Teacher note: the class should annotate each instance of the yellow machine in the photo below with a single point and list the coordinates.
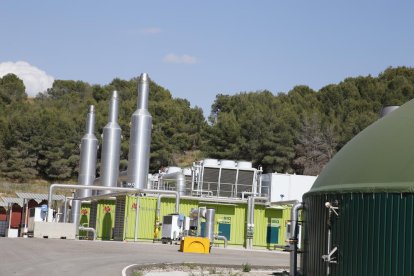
(191, 244)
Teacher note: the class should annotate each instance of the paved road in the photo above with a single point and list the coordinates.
(67, 257)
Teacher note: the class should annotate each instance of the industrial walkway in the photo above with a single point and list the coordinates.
(66, 257)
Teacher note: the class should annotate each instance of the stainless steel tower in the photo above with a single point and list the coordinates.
(87, 166)
(210, 220)
(140, 138)
(111, 147)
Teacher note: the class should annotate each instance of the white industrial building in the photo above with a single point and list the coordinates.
(286, 187)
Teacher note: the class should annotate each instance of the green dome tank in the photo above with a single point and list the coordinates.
(370, 185)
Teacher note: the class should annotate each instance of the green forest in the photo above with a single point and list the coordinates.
(296, 132)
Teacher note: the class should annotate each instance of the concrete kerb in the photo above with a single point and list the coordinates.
(129, 270)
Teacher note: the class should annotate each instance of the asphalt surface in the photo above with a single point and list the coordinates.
(33, 256)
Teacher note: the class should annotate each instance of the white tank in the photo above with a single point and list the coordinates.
(210, 162)
(228, 163)
(173, 170)
(244, 165)
(187, 171)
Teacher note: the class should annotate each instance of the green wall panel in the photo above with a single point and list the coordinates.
(231, 215)
(105, 219)
(84, 217)
(374, 234)
(84, 213)
(265, 217)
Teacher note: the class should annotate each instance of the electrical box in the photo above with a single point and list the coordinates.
(37, 214)
(173, 227)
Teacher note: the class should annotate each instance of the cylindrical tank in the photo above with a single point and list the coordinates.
(111, 147)
(228, 163)
(180, 184)
(87, 165)
(358, 216)
(75, 212)
(210, 162)
(209, 231)
(388, 109)
(140, 138)
(88, 151)
(244, 165)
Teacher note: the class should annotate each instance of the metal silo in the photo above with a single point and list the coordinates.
(358, 218)
(140, 138)
(111, 147)
(87, 165)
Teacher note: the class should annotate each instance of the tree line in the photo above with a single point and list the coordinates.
(296, 132)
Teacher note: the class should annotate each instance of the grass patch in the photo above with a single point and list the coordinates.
(246, 267)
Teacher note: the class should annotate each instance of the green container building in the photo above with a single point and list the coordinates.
(118, 219)
(361, 207)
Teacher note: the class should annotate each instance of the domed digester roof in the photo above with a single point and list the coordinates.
(378, 159)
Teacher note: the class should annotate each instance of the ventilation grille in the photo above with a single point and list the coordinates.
(210, 179)
(227, 182)
(119, 218)
(245, 182)
(92, 217)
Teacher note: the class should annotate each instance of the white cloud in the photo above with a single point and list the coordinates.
(33, 78)
(151, 30)
(173, 58)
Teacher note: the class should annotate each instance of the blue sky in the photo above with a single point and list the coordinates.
(198, 49)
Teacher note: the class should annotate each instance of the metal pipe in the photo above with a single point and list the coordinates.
(260, 174)
(65, 208)
(88, 229)
(157, 216)
(192, 178)
(115, 189)
(136, 219)
(250, 222)
(10, 209)
(209, 231)
(111, 147)
(250, 216)
(143, 91)
(293, 240)
(75, 215)
(140, 137)
(328, 267)
(200, 192)
(179, 179)
(223, 238)
(158, 205)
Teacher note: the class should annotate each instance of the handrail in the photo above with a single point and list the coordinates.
(114, 189)
(88, 229)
